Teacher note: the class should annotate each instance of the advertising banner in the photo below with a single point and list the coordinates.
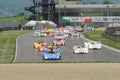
(92, 19)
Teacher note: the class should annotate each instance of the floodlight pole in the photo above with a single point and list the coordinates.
(107, 13)
(65, 12)
(37, 9)
(48, 11)
(59, 11)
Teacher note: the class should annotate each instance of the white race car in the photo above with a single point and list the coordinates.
(36, 32)
(93, 44)
(75, 34)
(80, 49)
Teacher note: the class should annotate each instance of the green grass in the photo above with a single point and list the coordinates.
(7, 44)
(93, 14)
(100, 36)
(20, 18)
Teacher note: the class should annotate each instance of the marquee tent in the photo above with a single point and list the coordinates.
(36, 23)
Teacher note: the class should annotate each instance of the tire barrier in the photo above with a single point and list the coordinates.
(113, 33)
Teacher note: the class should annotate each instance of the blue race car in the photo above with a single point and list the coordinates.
(52, 53)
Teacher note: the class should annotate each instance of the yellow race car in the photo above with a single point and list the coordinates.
(51, 30)
(36, 45)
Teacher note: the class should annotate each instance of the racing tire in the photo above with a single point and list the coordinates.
(60, 58)
(54, 44)
(34, 47)
(99, 48)
(74, 53)
(63, 44)
(44, 58)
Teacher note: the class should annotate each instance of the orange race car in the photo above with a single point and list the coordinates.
(40, 46)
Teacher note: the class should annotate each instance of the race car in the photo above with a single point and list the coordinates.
(36, 45)
(36, 32)
(79, 29)
(67, 31)
(93, 44)
(51, 30)
(80, 49)
(52, 53)
(62, 29)
(59, 42)
(43, 33)
(59, 36)
(52, 34)
(40, 45)
(88, 28)
(75, 34)
(67, 35)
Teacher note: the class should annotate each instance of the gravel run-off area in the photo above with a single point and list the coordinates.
(60, 71)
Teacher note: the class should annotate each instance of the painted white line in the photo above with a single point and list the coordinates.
(16, 52)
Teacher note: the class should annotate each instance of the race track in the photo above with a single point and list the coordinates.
(26, 53)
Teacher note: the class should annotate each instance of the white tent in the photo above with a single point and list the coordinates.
(48, 23)
(31, 23)
(43, 21)
(38, 24)
(52, 24)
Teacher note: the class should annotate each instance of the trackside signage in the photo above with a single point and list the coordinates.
(92, 19)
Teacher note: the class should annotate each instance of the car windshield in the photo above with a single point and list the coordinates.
(52, 47)
(58, 39)
(37, 31)
(43, 31)
(59, 34)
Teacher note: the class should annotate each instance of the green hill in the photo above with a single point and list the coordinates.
(13, 7)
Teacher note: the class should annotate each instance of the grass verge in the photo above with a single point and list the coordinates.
(18, 18)
(7, 44)
(100, 36)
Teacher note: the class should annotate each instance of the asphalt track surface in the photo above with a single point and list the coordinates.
(26, 53)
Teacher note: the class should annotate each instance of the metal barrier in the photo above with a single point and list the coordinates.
(10, 25)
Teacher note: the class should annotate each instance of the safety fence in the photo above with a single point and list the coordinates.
(113, 33)
(9, 25)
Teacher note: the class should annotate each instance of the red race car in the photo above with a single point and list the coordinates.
(79, 29)
(42, 47)
(59, 42)
(52, 34)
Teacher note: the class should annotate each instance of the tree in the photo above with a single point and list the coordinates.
(115, 14)
(93, 3)
(20, 14)
(106, 2)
